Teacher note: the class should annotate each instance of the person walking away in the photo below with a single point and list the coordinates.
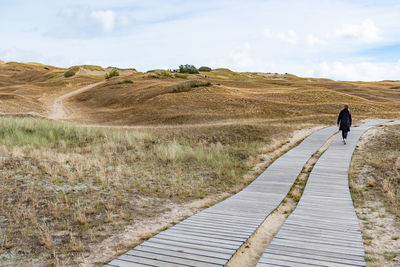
(344, 122)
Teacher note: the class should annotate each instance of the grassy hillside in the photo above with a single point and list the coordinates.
(231, 96)
(135, 98)
(175, 138)
(32, 87)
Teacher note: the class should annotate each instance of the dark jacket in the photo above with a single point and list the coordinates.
(344, 120)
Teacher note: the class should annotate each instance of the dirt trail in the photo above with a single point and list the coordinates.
(58, 110)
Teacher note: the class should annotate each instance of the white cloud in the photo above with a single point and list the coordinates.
(366, 31)
(241, 56)
(105, 18)
(68, 12)
(124, 21)
(314, 40)
(288, 37)
(358, 71)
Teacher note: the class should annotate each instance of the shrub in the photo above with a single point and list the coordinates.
(204, 68)
(165, 74)
(182, 76)
(112, 74)
(188, 69)
(187, 86)
(69, 73)
(125, 81)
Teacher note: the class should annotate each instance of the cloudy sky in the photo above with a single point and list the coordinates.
(338, 39)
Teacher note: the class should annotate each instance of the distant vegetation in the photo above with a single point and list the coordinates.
(69, 73)
(92, 67)
(204, 68)
(165, 74)
(187, 86)
(181, 76)
(125, 81)
(112, 74)
(188, 69)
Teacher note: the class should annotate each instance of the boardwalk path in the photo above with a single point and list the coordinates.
(212, 236)
(323, 230)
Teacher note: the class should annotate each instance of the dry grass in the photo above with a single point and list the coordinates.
(188, 85)
(66, 186)
(375, 186)
(380, 157)
(149, 101)
(32, 87)
(237, 96)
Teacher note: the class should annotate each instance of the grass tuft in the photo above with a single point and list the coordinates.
(111, 74)
(187, 86)
(125, 82)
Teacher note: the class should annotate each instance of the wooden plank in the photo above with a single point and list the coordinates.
(192, 241)
(274, 262)
(215, 230)
(323, 241)
(320, 247)
(172, 259)
(226, 222)
(123, 263)
(210, 239)
(310, 261)
(293, 249)
(214, 235)
(202, 247)
(185, 255)
(129, 260)
(194, 251)
(314, 256)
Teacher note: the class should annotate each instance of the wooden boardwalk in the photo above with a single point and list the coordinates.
(323, 230)
(212, 236)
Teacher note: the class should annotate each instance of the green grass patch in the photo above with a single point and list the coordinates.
(164, 74)
(187, 86)
(181, 76)
(125, 82)
(369, 259)
(112, 73)
(390, 255)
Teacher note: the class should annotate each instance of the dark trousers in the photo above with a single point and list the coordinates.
(344, 134)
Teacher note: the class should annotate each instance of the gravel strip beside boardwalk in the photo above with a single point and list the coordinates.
(212, 236)
(323, 230)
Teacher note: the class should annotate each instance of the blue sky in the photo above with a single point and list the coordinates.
(342, 40)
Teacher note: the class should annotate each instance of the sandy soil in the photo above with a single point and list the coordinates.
(380, 228)
(251, 251)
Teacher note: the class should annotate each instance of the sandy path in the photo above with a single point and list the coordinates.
(58, 110)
